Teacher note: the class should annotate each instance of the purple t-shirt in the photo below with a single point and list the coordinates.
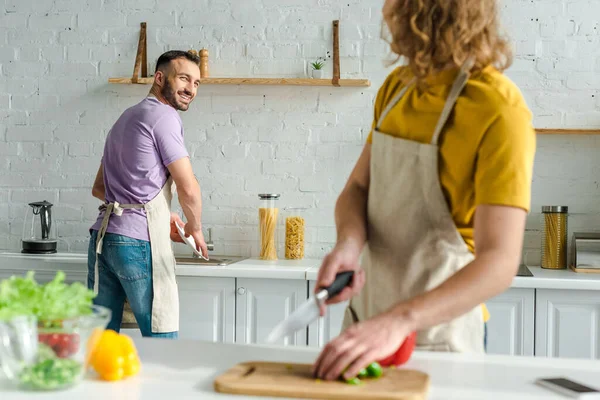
(145, 139)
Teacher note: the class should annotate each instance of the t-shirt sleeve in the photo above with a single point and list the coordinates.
(168, 135)
(505, 160)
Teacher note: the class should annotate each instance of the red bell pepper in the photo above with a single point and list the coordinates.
(403, 353)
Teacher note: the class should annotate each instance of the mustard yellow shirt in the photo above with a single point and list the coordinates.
(487, 147)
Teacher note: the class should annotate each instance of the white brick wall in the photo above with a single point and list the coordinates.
(56, 105)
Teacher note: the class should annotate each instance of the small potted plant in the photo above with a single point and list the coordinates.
(317, 68)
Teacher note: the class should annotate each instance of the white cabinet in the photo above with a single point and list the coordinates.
(328, 327)
(567, 323)
(131, 332)
(263, 303)
(207, 308)
(511, 325)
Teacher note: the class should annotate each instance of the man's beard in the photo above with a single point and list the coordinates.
(170, 95)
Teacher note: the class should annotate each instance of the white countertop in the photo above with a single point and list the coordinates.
(76, 263)
(183, 369)
(252, 268)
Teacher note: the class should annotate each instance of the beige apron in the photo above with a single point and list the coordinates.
(413, 244)
(165, 302)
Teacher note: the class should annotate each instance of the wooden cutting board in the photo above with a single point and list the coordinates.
(296, 381)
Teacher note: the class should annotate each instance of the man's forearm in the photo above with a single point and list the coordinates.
(190, 199)
(485, 277)
(98, 189)
(351, 216)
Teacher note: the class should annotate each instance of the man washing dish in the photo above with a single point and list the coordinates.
(145, 158)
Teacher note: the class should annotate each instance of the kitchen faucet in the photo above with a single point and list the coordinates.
(210, 246)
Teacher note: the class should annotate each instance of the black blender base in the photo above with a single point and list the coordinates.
(38, 251)
(41, 247)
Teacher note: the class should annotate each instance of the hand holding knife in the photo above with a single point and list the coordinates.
(310, 311)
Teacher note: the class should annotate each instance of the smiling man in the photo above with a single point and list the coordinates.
(130, 255)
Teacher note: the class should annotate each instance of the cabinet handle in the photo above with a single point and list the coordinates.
(241, 291)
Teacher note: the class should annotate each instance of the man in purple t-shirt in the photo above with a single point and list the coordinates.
(143, 149)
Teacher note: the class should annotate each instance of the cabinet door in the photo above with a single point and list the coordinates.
(263, 303)
(328, 327)
(134, 333)
(567, 323)
(511, 324)
(206, 308)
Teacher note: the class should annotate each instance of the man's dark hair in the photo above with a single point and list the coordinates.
(171, 55)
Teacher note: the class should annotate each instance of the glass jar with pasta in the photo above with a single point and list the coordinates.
(293, 226)
(268, 214)
(554, 237)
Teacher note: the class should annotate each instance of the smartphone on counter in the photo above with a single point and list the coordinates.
(569, 388)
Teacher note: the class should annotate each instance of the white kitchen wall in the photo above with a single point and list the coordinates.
(56, 105)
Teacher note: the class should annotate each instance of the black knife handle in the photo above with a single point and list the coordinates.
(342, 280)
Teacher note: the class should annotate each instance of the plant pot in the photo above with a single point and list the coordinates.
(317, 73)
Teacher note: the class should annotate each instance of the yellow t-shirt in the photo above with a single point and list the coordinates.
(487, 146)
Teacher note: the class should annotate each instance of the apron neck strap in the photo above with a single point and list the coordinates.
(457, 87)
(392, 103)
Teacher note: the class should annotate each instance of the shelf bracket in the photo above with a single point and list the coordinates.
(141, 58)
(336, 53)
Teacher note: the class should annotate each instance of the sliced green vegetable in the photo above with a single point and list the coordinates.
(50, 372)
(374, 370)
(353, 381)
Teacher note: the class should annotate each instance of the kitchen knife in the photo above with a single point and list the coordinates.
(309, 311)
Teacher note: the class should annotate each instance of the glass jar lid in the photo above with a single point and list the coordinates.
(268, 196)
(555, 209)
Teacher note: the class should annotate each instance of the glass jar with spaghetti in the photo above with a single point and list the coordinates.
(293, 226)
(554, 237)
(268, 214)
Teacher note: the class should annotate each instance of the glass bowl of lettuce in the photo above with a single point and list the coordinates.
(47, 331)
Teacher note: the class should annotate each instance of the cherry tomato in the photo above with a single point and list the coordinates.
(63, 344)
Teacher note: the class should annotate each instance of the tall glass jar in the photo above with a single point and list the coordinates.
(293, 229)
(554, 237)
(268, 213)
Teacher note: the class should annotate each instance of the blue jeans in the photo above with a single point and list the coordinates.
(125, 271)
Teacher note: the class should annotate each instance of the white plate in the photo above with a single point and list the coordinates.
(190, 241)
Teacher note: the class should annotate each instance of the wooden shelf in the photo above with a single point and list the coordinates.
(258, 81)
(141, 58)
(568, 131)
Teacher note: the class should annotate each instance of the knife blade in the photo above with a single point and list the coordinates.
(309, 311)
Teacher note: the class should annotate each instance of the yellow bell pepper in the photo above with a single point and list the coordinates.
(113, 356)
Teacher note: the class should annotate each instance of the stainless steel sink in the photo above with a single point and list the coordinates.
(216, 260)
(524, 271)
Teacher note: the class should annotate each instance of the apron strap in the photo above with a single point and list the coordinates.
(393, 103)
(109, 208)
(457, 87)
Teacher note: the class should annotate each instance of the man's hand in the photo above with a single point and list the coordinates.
(196, 233)
(175, 236)
(344, 257)
(363, 343)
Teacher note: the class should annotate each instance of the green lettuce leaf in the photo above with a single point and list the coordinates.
(54, 300)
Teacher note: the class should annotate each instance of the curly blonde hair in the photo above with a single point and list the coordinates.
(433, 34)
